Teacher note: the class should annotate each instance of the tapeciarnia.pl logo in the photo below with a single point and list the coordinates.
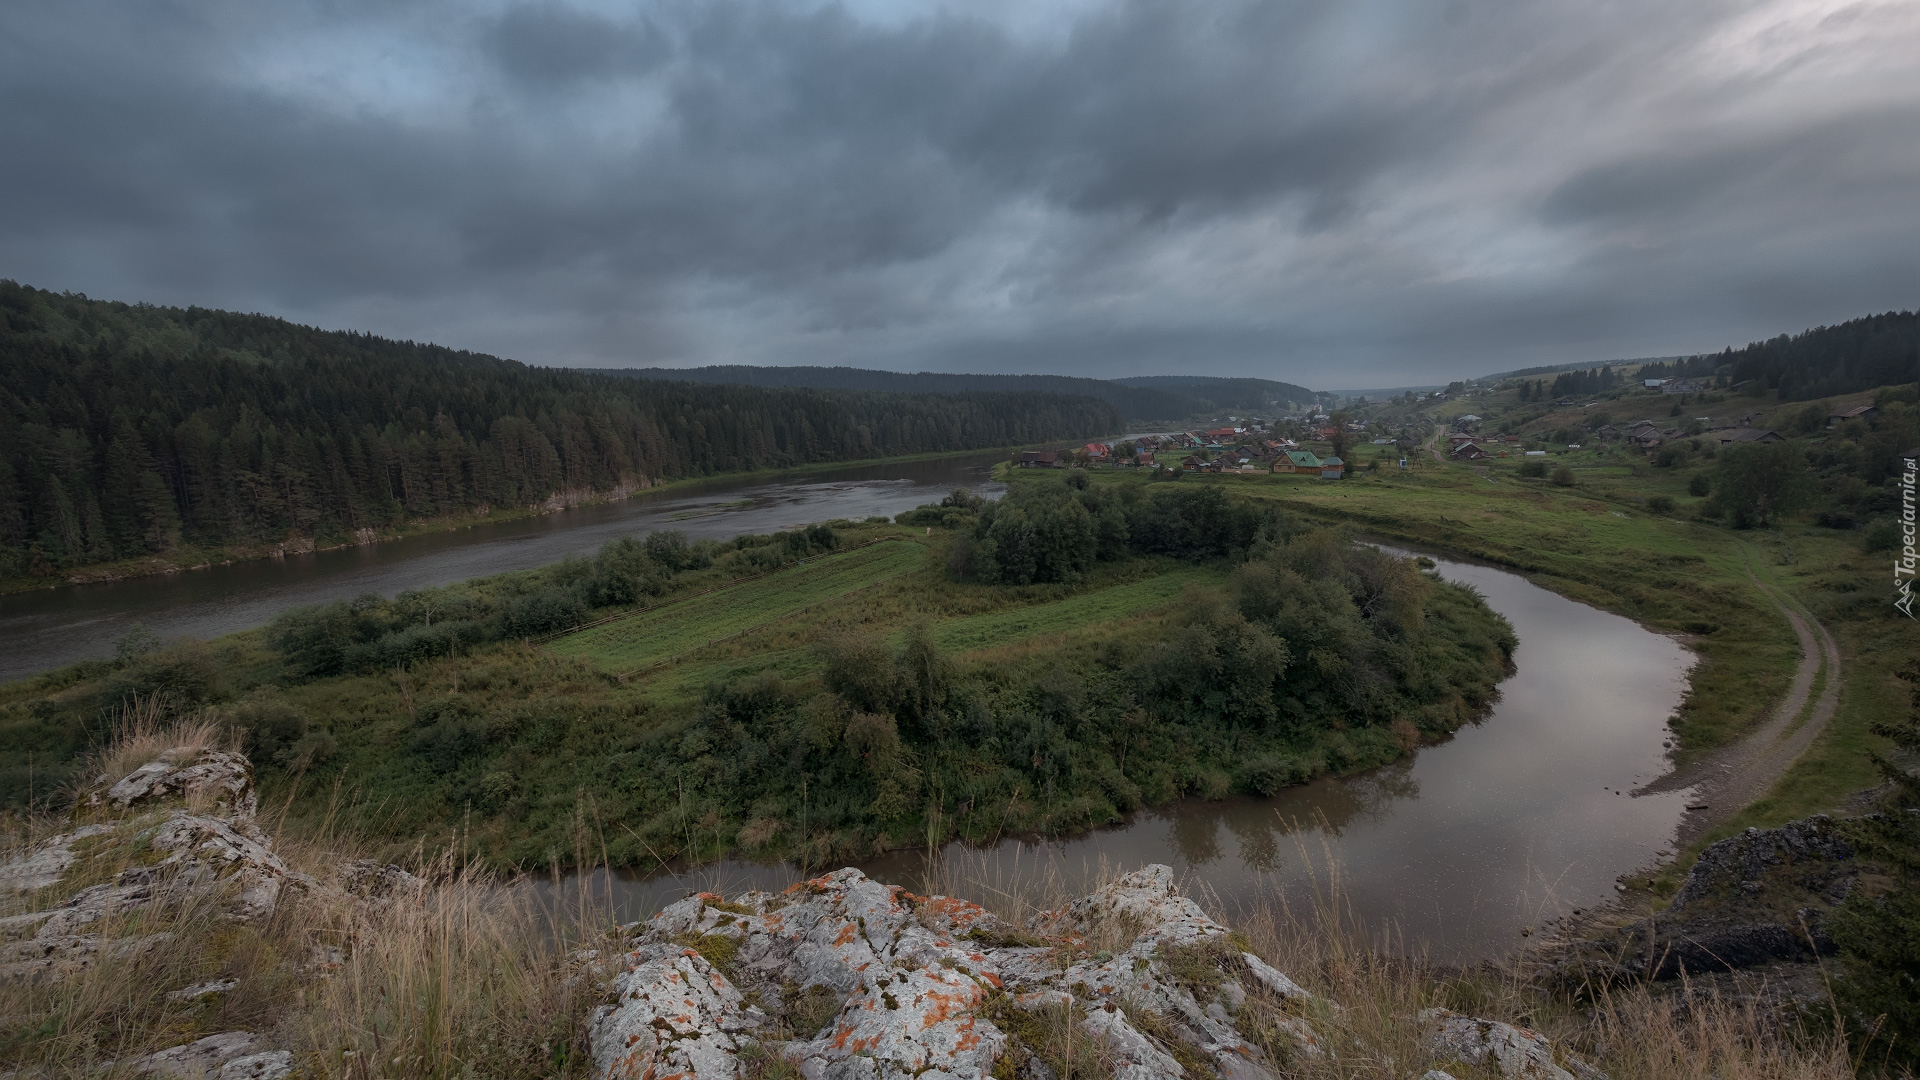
(1903, 563)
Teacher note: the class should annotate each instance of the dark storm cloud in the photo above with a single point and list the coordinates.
(1401, 189)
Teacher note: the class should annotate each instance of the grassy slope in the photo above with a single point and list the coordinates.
(1643, 565)
(507, 749)
(656, 636)
(1678, 577)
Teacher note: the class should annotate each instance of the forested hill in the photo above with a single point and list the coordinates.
(1145, 398)
(128, 430)
(1222, 392)
(1136, 403)
(1859, 354)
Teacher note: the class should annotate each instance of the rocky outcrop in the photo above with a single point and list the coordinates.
(1754, 899)
(230, 1055)
(1516, 1052)
(212, 781)
(848, 979)
(225, 859)
(178, 829)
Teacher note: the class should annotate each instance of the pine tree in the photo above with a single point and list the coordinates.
(1879, 937)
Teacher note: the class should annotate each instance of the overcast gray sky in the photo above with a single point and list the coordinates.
(1339, 193)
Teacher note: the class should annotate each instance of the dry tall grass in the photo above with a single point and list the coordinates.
(472, 975)
(467, 975)
(1381, 985)
(146, 728)
(1633, 1032)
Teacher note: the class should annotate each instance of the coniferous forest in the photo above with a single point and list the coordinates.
(1859, 354)
(129, 430)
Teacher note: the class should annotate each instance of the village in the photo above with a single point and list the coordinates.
(1365, 434)
(1246, 446)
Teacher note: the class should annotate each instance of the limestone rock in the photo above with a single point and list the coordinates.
(916, 982)
(200, 990)
(241, 856)
(218, 853)
(199, 1059)
(206, 779)
(1146, 897)
(42, 867)
(270, 1065)
(370, 880)
(674, 1015)
(1135, 1057)
(1517, 1052)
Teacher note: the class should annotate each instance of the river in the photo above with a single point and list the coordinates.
(1455, 849)
(1451, 852)
(48, 628)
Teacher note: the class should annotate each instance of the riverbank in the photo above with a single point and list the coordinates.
(855, 702)
(190, 557)
(1697, 581)
(454, 972)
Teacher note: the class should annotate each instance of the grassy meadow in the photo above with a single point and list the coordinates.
(821, 695)
(1633, 534)
(662, 633)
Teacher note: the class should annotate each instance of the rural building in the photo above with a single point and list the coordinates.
(1762, 435)
(1863, 412)
(1297, 461)
(1468, 452)
(1040, 459)
(1332, 468)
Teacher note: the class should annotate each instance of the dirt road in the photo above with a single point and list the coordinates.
(1728, 779)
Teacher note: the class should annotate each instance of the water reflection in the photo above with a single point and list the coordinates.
(52, 627)
(1514, 818)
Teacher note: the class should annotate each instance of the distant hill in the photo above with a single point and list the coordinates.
(1136, 402)
(1578, 365)
(1859, 354)
(128, 430)
(1220, 393)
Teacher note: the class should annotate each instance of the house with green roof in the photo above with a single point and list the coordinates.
(1296, 461)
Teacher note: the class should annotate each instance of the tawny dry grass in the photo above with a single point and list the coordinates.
(470, 975)
(1381, 985)
(146, 728)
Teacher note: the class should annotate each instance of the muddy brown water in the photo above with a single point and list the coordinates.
(49, 628)
(1451, 852)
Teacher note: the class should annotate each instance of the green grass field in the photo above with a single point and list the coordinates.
(677, 628)
(1099, 608)
(1590, 542)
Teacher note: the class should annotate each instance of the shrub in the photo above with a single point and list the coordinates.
(1699, 485)
(1882, 535)
(541, 613)
(1660, 504)
(1756, 483)
(1535, 469)
(1563, 477)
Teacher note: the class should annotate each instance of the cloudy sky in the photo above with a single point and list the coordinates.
(1341, 193)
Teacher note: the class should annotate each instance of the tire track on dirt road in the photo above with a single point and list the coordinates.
(1731, 778)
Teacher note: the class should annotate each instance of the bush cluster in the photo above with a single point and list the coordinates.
(371, 633)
